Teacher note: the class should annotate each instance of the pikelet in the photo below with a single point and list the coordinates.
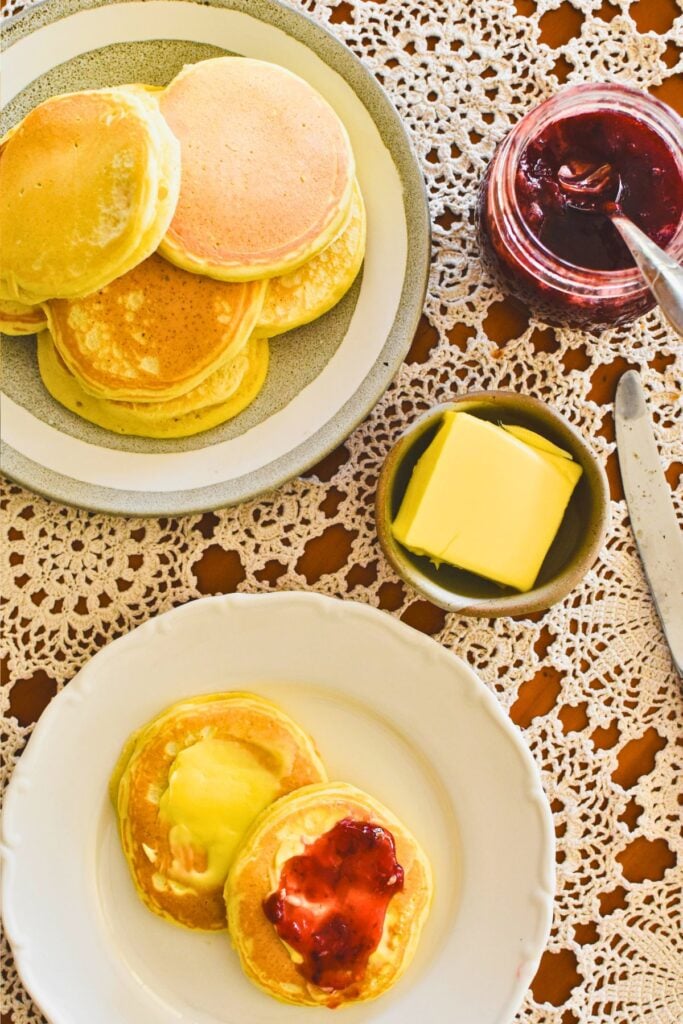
(189, 784)
(16, 318)
(88, 185)
(273, 852)
(223, 395)
(305, 294)
(155, 333)
(267, 170)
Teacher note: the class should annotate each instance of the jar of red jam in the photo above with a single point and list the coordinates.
(570, 264)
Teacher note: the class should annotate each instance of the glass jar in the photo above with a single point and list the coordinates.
(561, 292)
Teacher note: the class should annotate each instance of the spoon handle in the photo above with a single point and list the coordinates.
(664, 275)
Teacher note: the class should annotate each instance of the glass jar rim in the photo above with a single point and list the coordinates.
(579, 99)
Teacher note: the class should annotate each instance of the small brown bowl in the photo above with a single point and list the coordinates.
(571, 554)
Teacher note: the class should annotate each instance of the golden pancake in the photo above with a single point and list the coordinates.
(288, 830)
(221, 397)
(88, 185)
(267, 169)
(317, 286)
(16, 318)
(189, 784)
(143, 87)
(155, 333)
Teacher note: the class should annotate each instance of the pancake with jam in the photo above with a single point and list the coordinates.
(88, 185)
(305, 294)
(222, 396)
(18, 319)
(327, 897)
(187, 787)
(155, 333)
(267, 169)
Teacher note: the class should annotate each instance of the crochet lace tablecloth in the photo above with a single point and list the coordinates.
(590, 682)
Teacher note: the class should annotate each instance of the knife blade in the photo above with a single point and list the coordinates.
(657, 533)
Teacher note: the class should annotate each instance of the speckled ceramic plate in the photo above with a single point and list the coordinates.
(325, 377)
(441, 754)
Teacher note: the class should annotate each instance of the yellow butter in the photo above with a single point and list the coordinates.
(487, 499)
(535, 440)
(215, 790)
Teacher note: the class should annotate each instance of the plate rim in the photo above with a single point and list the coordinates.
(320, 40)
(77, 690)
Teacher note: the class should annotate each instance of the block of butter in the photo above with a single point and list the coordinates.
(487, 498)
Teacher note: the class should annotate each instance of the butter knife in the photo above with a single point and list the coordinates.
(658, 536)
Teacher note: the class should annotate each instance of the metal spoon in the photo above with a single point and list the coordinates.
(592, 189)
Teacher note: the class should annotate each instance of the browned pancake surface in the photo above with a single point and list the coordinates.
(154, 333)
(265, 163)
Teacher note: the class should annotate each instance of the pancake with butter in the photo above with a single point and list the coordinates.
(267, 169)
(88, 186)
(305, 294)
(221, 397)
(187, 787)
(155, 333)
(18, 319)
(327, 897)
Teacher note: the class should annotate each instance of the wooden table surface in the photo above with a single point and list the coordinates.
(556, 975)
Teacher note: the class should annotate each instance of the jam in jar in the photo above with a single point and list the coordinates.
(548, 237)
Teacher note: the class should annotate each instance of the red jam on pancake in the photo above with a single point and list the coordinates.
(331, 900)
(327, 897)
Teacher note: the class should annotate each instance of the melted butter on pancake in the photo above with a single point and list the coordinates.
(188, 785)
(215, 787)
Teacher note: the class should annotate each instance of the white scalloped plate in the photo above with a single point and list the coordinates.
(392, 712)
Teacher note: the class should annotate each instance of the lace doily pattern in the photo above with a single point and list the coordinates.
(590, 682)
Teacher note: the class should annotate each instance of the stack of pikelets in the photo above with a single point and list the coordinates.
(163, 235)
